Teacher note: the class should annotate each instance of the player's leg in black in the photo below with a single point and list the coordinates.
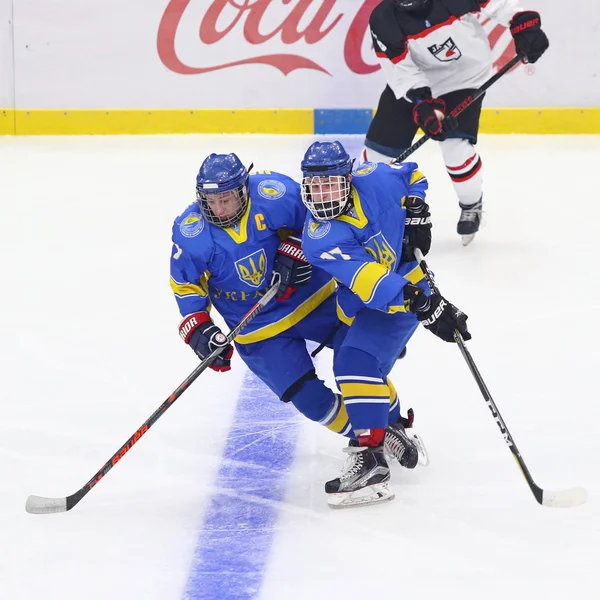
(392, 129)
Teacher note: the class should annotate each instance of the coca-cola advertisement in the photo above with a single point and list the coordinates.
(233, 33)
(325, 44)
(236, 54)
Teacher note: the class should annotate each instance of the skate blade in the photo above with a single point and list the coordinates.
(467, 239)
(423, 454)
(367, 496)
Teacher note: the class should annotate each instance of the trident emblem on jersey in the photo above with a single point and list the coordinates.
(446, 52)
(252, 268)
(379, 248)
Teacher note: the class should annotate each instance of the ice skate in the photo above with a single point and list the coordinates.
(469, 221)
(404, 444)
(364, 479)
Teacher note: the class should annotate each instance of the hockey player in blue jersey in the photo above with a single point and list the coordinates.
(226, 246)
(362, 230)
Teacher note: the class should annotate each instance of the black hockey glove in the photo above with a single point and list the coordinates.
(436, 313)
(417, 228)
(530, 40)
(430, 114)
(292, 266)
(204, 337)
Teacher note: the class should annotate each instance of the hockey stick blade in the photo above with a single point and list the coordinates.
(556, 499)
(564, 498)
(38, 505)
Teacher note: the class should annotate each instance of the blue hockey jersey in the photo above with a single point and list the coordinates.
(363, 248)
(231, 268)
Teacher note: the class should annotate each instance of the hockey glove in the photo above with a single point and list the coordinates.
(436, 313)
(417, 228)
(430, 114)
(292, 266)
(530, 40)
(204, 337)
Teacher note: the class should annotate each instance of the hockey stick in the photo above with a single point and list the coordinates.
(464, 105)
(326, 341)
(559, 498)
(41, 505)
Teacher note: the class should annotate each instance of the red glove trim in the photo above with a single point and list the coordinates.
(437, 104)
(290, 290)
(226, 356)
(190, 323)
(532, 23)
(292, 250)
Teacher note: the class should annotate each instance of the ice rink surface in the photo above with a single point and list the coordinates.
(89, 349)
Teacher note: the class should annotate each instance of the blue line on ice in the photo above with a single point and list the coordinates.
(241, 519)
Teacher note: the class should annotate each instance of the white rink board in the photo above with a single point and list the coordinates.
(148, 53)
(6, 55)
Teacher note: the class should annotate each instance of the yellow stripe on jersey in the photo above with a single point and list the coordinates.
(341, 421)
(396, 308)
(366, 279)
(341, 315)
(392, 390)
(414, 277)
(191, 289)
(362, 220)
(242, 236)
(362, 390)
(416, 176)
(290, 320)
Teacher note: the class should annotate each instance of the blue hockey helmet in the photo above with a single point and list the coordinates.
(412, 4)
(325, 159)
(222, 189)
(326, 189)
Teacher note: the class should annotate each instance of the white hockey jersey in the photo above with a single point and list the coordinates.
(445, 49)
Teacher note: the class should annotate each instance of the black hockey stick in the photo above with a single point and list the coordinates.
(42, 505)
(559, 498)
(326, 341)
(464, 104)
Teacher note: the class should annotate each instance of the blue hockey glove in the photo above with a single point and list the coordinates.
(204, 337)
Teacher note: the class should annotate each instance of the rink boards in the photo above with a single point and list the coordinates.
(266, 66)
(278, 121)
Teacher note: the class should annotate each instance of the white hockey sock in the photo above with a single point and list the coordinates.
(464, 168)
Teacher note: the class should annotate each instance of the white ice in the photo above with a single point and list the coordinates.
(89, 349)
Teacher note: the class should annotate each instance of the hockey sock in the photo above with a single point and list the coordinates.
(365, 393)
(464, 168)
